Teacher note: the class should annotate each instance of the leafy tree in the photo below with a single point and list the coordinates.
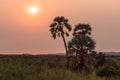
(82, 42)
(60, 27)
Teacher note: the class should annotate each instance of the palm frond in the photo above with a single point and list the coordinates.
(67, 34)
(68, 26)
(54, 35)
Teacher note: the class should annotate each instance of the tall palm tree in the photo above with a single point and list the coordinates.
(81, 42)
(60, 27)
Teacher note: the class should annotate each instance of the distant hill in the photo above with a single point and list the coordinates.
(112, 53)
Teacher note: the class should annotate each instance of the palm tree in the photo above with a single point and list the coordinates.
(60, 27)
(81, 42)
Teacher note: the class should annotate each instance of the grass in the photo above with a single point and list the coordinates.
(32, 68)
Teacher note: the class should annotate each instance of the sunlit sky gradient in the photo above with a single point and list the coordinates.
(21, 32)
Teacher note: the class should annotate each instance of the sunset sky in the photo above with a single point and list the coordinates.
(24, 32)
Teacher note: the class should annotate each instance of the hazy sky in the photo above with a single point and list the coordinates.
(21, 32)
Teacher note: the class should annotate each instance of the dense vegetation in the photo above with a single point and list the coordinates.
(41, 67)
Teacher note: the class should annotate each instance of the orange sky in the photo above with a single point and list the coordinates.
(21, 32)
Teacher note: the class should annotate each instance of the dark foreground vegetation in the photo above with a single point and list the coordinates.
(51, 67)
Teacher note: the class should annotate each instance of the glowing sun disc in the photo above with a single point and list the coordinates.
(33, 10)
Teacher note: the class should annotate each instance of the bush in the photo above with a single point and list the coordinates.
(73, 62)
(113, 63)
(107, 71)
(99, 60)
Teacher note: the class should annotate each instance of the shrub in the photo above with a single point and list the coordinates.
(99, 60)
(73, 62)
(113, 63)
(107, 71)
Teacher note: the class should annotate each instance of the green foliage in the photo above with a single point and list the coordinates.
(39, 68)
(108, 71)
(113, 63)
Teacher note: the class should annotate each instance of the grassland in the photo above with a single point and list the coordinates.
(39, 67)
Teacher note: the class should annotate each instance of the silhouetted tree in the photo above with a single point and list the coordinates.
(60, 27)
(81, 42)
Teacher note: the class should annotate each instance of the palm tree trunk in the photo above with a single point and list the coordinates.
(67, 63)
(65, 44)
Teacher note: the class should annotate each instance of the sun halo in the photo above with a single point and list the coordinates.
(33, 10)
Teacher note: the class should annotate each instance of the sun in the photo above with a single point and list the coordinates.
(33, 10)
